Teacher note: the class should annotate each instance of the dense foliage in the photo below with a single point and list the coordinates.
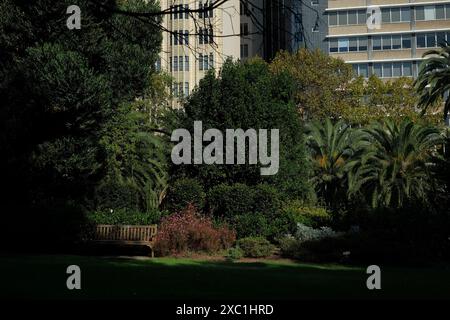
(188, 231)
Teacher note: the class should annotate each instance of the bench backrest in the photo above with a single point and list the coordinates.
(125, 232)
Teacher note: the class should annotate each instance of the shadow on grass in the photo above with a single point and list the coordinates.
(41, 277)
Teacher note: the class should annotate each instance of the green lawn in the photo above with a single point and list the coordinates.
(45, 277)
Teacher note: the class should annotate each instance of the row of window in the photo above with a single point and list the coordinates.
(205, 62)
(384, 70)
(182, 11)
(390, 15)
(432, 40)
(388, 42)
(180, 37)
(180, 90)
(181, 63)
(204, 6)
(437, 12)
(205, 35)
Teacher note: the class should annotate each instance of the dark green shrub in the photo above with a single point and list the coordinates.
(185, 191)
(256, 247)
(251, 225)
(227, 201)
(235, 253)
(114, 194)
(126, 217)
(259, 224)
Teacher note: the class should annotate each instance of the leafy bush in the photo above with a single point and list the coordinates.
(305, 233)
(183, 192)
(126, 217)
(188, 231)
(235, 253)
(250, 225)
(311, 216)
(251, 210)
(227, 201)
(305, 240)
(115, 194)
(256, 247)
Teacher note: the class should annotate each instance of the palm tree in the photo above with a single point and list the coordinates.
(397, 163)
(433, 82)
(332, 148)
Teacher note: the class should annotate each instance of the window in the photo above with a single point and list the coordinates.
(353, 44)
(334, 45)
(186, 89)
(406, 42)
(343, 44)
(387, 44)
(377, 70)
(362, 44)
(186, 63)
(376, 43)
(364, 70)
(396, 42)
(447, 11)
(386, 15)
(420, 13)
(405, 14)
(342, 17)
(431, 40)
(421, 41)
(205, 62)
(440, 38)
(361, 69)
(430, 13)
(352, 17)
(395, 15)
(211, 60)
(175, 63)
(186, 37)
(397, 69)
(158, 64)
(362, 17)
(180, 63)
(170, 64)
(440, 12)
(200, 61)
(332, 18)
(407, 69)
(244, 51)
(387, 70)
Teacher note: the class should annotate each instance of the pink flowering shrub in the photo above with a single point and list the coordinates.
(189, 231)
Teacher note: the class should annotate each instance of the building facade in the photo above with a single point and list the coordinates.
(195, 42)
(309, 25)
(407, 29)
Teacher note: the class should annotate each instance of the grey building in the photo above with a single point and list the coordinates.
(309, 25)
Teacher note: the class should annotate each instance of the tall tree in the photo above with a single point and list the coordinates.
(249, 96)
(396, 165)
(433, 82)
(61, 92)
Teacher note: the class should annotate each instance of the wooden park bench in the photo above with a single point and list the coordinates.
(124, 234)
